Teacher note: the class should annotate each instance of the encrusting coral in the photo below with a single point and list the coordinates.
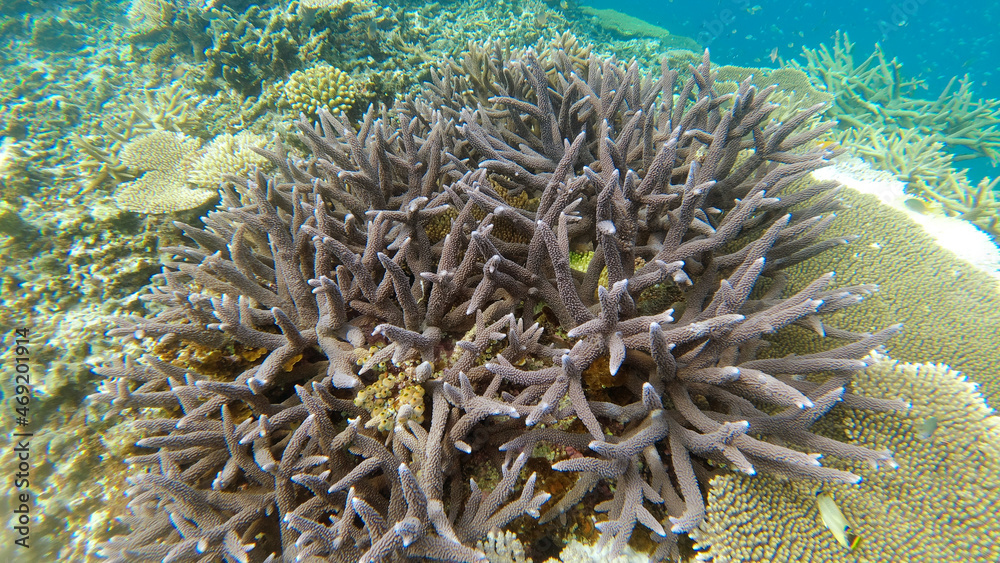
(331, 258)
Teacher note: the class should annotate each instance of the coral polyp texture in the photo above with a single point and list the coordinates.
(899, 515)
(321, 87)
(422, 259)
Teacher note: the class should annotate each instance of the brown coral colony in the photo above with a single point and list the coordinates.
(402, 254)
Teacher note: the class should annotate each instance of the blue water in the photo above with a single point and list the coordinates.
(935, 40)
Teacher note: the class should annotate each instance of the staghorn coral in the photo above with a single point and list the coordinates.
(319, 87)
(977, 204)
(875, 92)
(911, 156)
(928, 510)
(333, 254)
(929, 173)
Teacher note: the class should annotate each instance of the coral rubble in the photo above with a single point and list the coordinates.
(680, 195)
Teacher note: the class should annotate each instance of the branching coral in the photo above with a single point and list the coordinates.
(333, 255)
(875, 92)
(319, 87)
(928, 172)
(912, 157)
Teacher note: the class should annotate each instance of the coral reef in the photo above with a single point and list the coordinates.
(875, 92)
(332, 257)
(241, 59)
(245, 50)
(213, 69)
(319, 87)
(72, 255)
(956, 302)
(928, 172)
(937, 507)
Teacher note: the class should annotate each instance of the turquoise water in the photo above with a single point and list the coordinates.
(351, 280)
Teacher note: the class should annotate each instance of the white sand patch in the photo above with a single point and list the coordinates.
(962, 238)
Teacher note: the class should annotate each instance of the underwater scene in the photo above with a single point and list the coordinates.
(499, 281)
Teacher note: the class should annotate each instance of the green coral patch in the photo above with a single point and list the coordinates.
(628, 26)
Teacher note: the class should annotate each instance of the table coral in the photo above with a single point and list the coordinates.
(161, 159)
(937, 506)
(943, 303)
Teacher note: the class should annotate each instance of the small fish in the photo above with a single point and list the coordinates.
(927, 428)
(774, 54)
(835, 521)
(827, 145)
(917, 205)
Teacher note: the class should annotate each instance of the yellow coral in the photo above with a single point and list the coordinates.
(228, 154)
(321, 86)
(165, 157)
(160, 192)
(390, 393)
(158, 150)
